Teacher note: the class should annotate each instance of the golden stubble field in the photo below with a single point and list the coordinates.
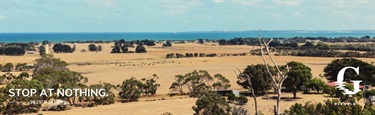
(115, 68)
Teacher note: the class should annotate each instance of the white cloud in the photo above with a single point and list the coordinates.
(287, 2)
(179, 6)
(2, 17)
(249, 2)
(346, 8)
(102, 3)
(218, 1)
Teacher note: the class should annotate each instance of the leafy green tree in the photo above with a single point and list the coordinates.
(366, 70)
(15, 104)
(322, 46)
(100, 47)
(130, 90)
(220, 82)
(150, 86)
(297, 109)
(23, 76)
(242, 100)
(329, 107)
(179, 83)
(211, 104)
(167, 44)
(232, 97)
(42, 50)
(7, 67)
(316, 84)
(53, 73)
(21, 67)
(92, 47)
(140, 49)
(260, 79)
(201, 41)
(110, 99)
(116, 48)
(308, 45)
(14, 50)
(6, 78)
(197, 82)
(47, 61)
(62, 48)
(298, 76)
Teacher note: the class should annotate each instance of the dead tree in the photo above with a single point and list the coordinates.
(243, 78)
(279, 77)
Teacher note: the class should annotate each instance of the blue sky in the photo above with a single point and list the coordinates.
(184, 15)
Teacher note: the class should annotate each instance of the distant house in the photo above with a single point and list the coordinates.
(30, 52)
(226, 92)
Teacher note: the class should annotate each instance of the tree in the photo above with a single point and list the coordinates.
(100, 48)
(329, 107)
(201, 41)
(140, 49)
(110, 99)
(198, 82)
(211, 104)
(23, 76)
(222, 42)
(130, 90)
(179, 83)
(21, 67)
(7, 67)
(16, 104)
(232, 97)
(322, 46)
(260, 79)
(62, 48)
(316, 84)
(42, 50)
(48, 61)
(15, 50)
(150, 86)
(116, 48)
(278, 78)
(124, 49)
(92, 47)
(221, 82)
(308, 45)
(366, 70)
(167, 44)
(53, 74)
(242, 100)
(298, 76)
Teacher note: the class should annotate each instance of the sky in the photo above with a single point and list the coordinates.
(184, 15)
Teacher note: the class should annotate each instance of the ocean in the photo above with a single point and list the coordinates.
(212, 35)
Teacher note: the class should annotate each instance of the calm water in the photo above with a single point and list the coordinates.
(58, 37)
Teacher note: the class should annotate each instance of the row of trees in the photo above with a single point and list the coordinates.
(330, 107)
(52, 73)
(198, 82)
(254, 41)
(178, 55)
(131, 89)
(93, 47)
(12, 50)
(122, 47)
(10, 67)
